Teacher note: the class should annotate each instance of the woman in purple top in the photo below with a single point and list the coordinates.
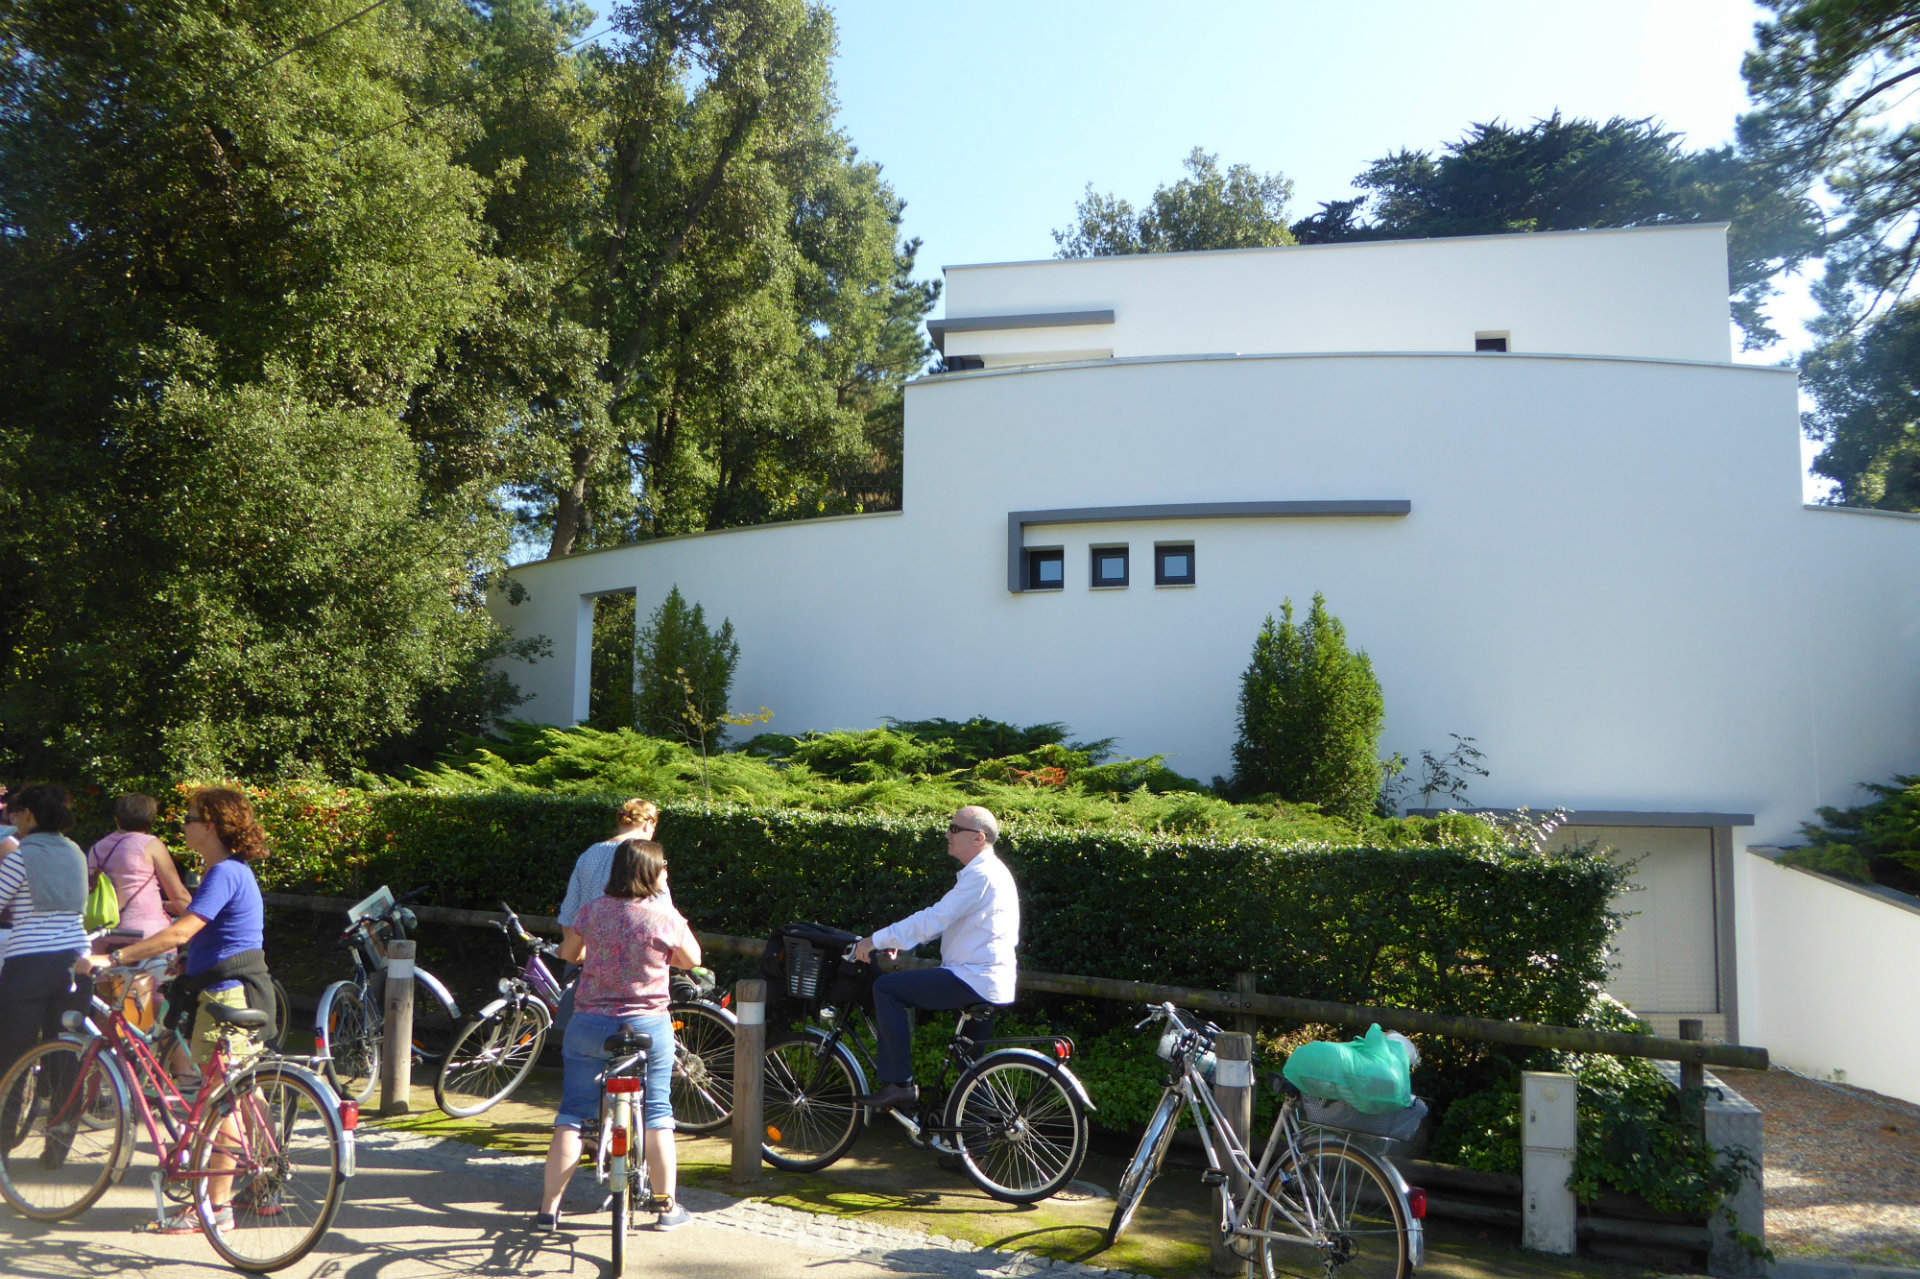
(224, 931)
(626, 941)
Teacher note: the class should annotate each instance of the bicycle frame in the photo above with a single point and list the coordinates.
(1217, 1138)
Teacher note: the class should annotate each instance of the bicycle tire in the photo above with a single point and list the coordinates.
(289, 1166)
(623, 1192)
(491, 1057)
(282, 1015)
(811, 1115)
(434, 1018)
(53, 1163)
(1145, 1164)
(703, 1035)
(346, 1024)
(1023, 1133)
(1361, 1219)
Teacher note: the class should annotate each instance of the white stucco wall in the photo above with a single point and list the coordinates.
(1603, 578)
(1651, 292)
(1835, 977)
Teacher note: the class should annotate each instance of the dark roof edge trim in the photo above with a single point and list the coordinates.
(938, 329)
(1607, 816)
(1017, 521)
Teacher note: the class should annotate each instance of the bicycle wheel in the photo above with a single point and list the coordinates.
(622, 1187)
(1145, 1164)
(811, 1115)
(282, 1015)
(277, 1129)
(702, 1067)
(352, 1033)
(57, 1149)
(1347, 1210)
(1022, 1130)
(491, 1057)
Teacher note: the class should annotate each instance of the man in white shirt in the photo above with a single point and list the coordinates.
(978, 924)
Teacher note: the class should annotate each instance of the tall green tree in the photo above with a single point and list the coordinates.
(1208, 209)
(1310, 716)
(1831, 82)
(744, 269)
(235, 247)
(683, 674)
(1559, 174)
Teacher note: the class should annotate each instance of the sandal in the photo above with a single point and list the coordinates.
(187, 1222)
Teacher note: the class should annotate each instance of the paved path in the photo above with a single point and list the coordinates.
(422, 1207)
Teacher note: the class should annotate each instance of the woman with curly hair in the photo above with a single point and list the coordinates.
(224, 932)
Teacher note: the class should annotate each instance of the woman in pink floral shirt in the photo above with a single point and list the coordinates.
(627, 941)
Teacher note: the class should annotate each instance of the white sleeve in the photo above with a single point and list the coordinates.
(961, 900)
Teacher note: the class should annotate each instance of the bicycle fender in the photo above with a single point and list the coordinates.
(491, 1008)
(440, 992)
(1053, 1065)
(852, 1058)
(320, 1014)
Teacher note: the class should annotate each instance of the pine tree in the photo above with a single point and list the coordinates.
(683, 674)
(1310, 716)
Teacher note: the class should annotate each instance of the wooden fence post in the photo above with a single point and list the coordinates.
(749, 1078)
(1233, 1091)
(1692, 1074)
(396, 1043)
(1246, 984)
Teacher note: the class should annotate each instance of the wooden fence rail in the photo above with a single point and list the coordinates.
(1237, 1003)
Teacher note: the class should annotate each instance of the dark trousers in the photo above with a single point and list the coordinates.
(935, 989)
(34, 991)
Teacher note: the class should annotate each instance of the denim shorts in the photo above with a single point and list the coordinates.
(583, 1053)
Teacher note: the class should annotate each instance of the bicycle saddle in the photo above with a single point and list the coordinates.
(625, 1043)
(244, 1018)
(984, 1010)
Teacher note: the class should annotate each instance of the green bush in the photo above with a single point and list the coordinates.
(1310, 716)
(1874, 843)
(683, 673)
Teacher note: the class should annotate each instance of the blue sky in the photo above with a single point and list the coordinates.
(991, 117)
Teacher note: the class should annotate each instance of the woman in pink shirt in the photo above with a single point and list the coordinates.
(625, 941)
(141, 869)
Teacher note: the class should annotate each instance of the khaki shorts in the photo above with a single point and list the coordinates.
(242, 1045)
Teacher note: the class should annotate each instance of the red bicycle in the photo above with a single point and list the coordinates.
(262, 1151)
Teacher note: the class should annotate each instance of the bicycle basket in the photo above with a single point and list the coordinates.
(802, 963)
(1395, 1125)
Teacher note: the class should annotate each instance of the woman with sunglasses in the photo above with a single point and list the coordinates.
(224, 932)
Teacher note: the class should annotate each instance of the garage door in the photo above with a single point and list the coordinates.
(1666, 955)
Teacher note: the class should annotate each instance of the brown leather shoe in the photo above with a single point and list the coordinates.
(890, 1096)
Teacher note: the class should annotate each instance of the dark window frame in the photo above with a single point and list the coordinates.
(1160, 552)
(1036, 555)
(1484, 342)
(1095, 581)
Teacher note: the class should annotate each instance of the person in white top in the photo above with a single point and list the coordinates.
(638, 819)
(978, 924)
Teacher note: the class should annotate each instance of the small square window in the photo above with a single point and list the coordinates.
(1490, 341)
(1173, 565)
(1046, 570)
(1109, 566)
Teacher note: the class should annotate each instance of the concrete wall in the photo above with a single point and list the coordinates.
(1647, 292)
(1835, 978)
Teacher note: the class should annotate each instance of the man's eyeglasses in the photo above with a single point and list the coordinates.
(963, 830)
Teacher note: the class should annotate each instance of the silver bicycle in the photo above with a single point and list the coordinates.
(1319, 1202)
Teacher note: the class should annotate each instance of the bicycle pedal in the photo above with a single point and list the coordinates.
(1213, 1177)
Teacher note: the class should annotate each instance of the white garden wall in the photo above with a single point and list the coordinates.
(1836, 978)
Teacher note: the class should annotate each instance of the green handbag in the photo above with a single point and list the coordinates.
(103, 903)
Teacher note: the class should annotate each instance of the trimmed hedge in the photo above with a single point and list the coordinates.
(1446, 930)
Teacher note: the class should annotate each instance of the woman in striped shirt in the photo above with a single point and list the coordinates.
(43, 883)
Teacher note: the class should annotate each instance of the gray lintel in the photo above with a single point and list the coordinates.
(1607, 816)
(1017, 521)
(938, 329)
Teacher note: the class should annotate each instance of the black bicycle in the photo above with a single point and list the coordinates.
(1015, 1116)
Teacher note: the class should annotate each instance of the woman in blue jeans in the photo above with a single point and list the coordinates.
(625, 941)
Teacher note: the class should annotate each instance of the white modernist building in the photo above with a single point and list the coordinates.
(1524, 470)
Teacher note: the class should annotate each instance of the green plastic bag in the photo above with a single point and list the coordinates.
(103, 904)
(1372, 1074)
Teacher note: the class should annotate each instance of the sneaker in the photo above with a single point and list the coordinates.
(546, 1222)
(261, 1197)
(672, 1217)
(59, 1141)
(187, 1222)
